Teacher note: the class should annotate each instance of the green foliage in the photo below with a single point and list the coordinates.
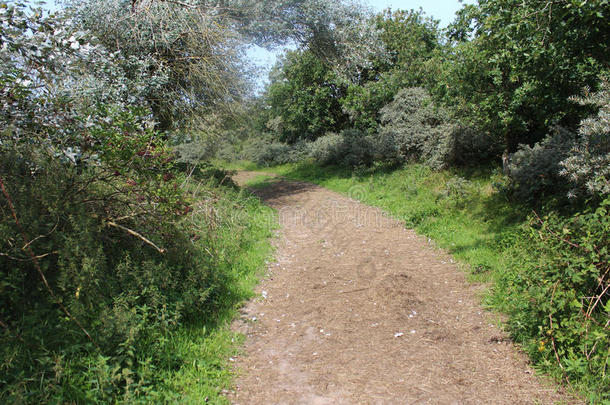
(364, 101)
(411, 41)
(267, 152)
(558, 287)
(113, 261)
(411, 128)
(414, 129)
(146, 311)
(587, 166)
(574, 165)
(303, 98)
(459, 192)
(534, 170)
(167, 38)
(350, 148)
(515, 77)
(85, 227)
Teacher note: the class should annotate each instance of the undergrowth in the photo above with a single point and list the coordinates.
(549, 275)
(163, 358)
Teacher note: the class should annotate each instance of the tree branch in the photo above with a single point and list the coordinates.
(137, 235)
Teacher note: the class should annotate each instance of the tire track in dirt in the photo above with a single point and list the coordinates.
(359, 310)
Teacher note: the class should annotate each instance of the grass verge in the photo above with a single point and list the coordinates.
(198, 369)
(186, 362)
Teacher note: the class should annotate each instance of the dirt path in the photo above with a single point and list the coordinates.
(359, 310)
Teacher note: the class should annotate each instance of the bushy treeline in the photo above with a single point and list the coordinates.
(106, 248)
(504, 83)
(521, 85)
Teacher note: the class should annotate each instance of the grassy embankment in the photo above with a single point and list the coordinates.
(203, 349)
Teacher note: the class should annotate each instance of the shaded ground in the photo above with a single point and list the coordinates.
(359, 310)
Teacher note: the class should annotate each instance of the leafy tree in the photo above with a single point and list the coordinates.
(411, 41)
(338, 32)
(192, 62)
(197, 47)
(304, 98)
(515, 77)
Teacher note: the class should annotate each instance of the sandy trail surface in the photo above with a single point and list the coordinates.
(359, 310)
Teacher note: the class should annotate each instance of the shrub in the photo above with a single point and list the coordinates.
(467, 146)
(266, 152)
(194, 152)
(273, 154)
(534, 170)
(414, 129)
(459, 192)
(114, 255)
(557, 291)
(350, 148)
(191, 161)
(326, 150)
(587, 166)
(576, 165)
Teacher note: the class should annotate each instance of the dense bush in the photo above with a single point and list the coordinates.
(534, 170)
(565, 163)
(467, 146)
(514, 66)
(105, 250)
(558, 287)
(411, 41)
(303, 98)
(350, 148)
(414, 129)
(411, 128)
(273, 154)
(267, 152)
(107, 253)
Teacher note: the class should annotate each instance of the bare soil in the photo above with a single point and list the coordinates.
(359, 310)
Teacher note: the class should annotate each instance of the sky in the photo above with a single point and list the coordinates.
(443, 10)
